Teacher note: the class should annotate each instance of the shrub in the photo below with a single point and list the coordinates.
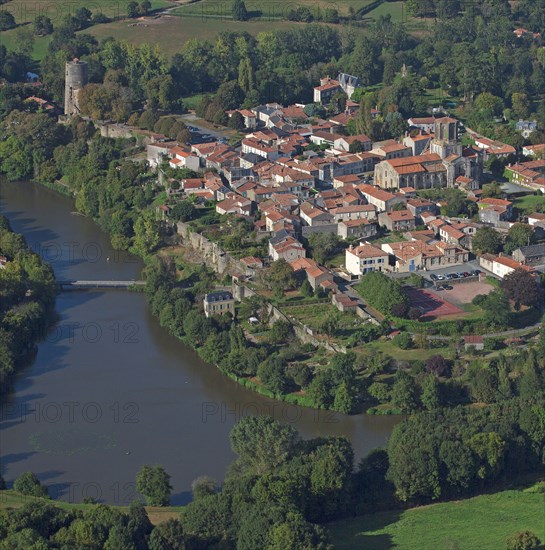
(403, 340)
(438, 365)
(522, 540)
(414, 313)
(28, 484)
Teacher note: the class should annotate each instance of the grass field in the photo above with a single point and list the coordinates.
(275, 9)
(25, 11)
(480, 523)
(170, 32)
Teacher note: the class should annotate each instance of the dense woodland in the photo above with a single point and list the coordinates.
(27, 298)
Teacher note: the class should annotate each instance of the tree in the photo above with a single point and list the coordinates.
(183, 211)
(496, 308)
(236, 121)
(132, 10)
(344, 399)
(490, 449)
(520, 234)
(487, 241)
(438, 365)
(272, 373)
(430, 397)
(28, 484)
(323, 246)
(521, 105)
(43, 25)
(144, 7)
(280, 332)
(330, 324)
(7, 21)
(382, 292)
(154, 484)
(262, 443)
(240, 13)
(167, 535)
(404, 394)
(489, 103)
(306, 289)
(484, 384)
(403, 340)
(380, 391)
(522, 287)
(203, 486)
(413, 465)
(280, 277)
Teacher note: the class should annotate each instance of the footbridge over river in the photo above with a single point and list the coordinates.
(68, 284)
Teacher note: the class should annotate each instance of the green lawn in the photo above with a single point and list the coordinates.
(480, 523)
(192, 102)
(529, 203)
(387, 347)
(397, 10)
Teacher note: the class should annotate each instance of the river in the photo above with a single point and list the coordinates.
(109, 390)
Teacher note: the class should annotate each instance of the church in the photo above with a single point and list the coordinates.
(439, 166)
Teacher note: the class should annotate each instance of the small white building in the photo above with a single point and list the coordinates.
(365, 258)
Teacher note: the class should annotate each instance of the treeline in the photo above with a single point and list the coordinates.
(27, 298)
(280, 487)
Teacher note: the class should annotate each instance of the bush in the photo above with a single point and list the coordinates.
(400, 310)
(380, 391)
(414, 313)
(300, 373)
(522, 540)
(403, 340)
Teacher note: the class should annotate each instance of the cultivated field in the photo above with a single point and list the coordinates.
(170, 32)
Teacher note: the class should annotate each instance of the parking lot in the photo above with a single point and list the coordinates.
(467, 267)
(464, 293)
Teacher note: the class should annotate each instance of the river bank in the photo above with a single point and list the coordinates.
(108, 354)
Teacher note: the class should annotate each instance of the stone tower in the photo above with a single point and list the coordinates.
(75, 79)
(445, 142)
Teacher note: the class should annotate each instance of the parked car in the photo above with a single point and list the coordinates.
(434, 277)
(447, 287)
(467, 274)
(440, 277)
